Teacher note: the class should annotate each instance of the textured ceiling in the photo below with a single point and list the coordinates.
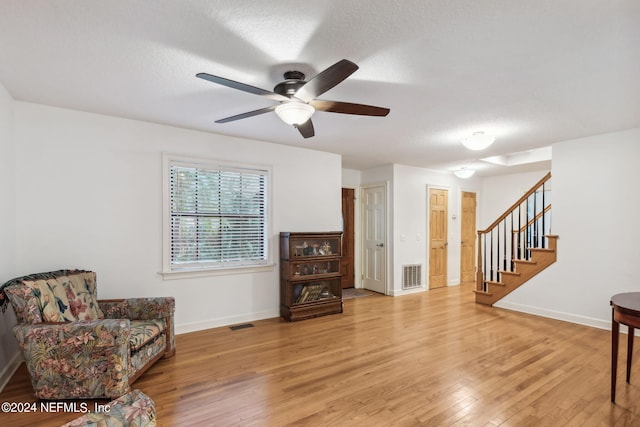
(531, 72)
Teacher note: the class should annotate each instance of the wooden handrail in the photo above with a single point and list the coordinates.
(531, 221)
(516, 204)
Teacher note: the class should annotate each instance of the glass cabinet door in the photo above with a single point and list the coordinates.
(321, 290)
(312, 247)
(303, 269)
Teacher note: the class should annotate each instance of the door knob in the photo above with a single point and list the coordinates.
(380, 245)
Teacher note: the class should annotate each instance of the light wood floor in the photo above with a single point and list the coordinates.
(433, 359)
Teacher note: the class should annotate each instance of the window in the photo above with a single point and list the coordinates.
(216, 216)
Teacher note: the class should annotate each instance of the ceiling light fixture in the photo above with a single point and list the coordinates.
(478, 141)
(294, 113)
(464, 173)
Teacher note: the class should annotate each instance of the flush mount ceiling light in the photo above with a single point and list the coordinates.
(464, 173)
(478, 141)
(294, 113)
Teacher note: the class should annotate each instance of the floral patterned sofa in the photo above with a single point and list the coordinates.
(79, 347)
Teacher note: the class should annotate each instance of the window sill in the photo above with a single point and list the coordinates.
(171, 275)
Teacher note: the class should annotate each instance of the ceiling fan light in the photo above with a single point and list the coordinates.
(464, 173)
(478, 141)
(294, 113)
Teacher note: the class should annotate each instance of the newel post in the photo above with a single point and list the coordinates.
(479, 272)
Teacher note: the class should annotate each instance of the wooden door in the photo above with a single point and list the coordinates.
(347, 263)
(468, 238)
(438, 238)
(374, 239)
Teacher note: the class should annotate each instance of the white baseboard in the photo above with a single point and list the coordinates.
(10, 369)
(399, 292)
(558, 315)
(224, 321)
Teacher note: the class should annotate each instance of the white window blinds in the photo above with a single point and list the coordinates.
(218, 217)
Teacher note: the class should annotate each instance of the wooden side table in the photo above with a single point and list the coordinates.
(625, 310)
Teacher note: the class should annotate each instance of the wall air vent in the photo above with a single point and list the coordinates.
(411, 276)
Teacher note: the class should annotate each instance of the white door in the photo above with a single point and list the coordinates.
(374, 235)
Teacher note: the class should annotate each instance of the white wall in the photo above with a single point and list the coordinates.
(89, 195)
(8, 346)
(407, 218)
(595, 215)
(351, 178)
(410, 227)
(7, 187)
(500, 192)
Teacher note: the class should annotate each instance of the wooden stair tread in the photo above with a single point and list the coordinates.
(526, 261)
(493, 282)
(513, 273)
(482, 292)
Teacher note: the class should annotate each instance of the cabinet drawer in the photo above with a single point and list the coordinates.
(307, 311)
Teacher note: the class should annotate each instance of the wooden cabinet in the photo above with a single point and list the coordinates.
(310, 275)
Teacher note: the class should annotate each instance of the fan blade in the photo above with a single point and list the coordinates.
(348, 108)
(248, 114)
(243, 87)
(306, 129)
(326, 80)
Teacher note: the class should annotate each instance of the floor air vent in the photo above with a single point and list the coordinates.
(243, 326)
(411, 276)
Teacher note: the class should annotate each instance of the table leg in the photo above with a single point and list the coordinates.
(629, 351)
(615, 329)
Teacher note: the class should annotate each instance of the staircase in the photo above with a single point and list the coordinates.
(517, 246)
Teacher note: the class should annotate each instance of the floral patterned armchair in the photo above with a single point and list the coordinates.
(134, 409)
(79, 347)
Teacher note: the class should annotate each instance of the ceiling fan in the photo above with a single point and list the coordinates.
(297, 97)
